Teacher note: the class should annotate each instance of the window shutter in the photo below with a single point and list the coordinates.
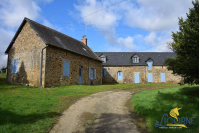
(89, 72)
(13, 66)
(105, 72)
(66, 68)
(16, 64)
(94, 73)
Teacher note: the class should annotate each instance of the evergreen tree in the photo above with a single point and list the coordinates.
(186, 46)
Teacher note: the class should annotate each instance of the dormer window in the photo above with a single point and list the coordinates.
(135, 59)
(103, 58)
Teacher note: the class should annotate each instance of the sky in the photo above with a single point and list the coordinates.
(109, 25)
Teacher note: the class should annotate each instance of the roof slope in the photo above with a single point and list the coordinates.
(124, 58)
(57, 39)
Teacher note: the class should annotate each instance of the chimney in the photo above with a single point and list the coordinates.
(84, 40)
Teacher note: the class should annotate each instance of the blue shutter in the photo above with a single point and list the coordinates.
(149, 63)
(137, 79)
(89, 72)
(67, 63)
(150, 77)
(94, 73)
(162, 77)
(16, 64)
(13, 66)
(66, 66)
(104, 72)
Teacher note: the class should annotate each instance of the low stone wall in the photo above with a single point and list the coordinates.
(128, 74)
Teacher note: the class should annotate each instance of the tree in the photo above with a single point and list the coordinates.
(186, 46)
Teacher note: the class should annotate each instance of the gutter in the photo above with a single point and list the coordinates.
(41, 59)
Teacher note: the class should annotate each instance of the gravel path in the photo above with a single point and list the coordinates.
(103, 112)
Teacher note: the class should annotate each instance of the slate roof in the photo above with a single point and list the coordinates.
(57, 39)
(125, 58)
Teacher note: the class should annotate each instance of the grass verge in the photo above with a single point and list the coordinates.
(28, 109)
(153, 104)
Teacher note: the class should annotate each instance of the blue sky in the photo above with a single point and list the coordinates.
(112, 25)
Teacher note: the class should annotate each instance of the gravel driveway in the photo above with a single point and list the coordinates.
(103, 112)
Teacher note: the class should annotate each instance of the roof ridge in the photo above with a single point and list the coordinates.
(51, 29)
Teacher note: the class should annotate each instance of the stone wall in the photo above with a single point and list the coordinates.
(128, 74)
(54, 68)
(26, 49)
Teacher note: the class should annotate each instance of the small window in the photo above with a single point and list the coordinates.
(66, 67)
(103, 59)
(135, 59)
(14, 66)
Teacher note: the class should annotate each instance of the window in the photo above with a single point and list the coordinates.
(103, 59)
(92, 73)
(104, 72)
(14, 66)
(149, 63)
(66, 66)
(135, 59)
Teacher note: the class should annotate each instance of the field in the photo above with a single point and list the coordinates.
(156, 103)
(27, 109)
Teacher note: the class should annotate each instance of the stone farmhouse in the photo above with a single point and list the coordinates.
(42, 57)
(136, 67)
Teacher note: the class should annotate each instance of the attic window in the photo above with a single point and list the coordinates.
(103, 58)
(135, 59)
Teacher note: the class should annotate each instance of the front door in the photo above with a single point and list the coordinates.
(80, 74)
(120, 75)
(137, 79)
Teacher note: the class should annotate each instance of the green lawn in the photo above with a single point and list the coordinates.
(27, 109)
(153, 104)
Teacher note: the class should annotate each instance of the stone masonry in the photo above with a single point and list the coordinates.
(128, 74)
(54, 68)
(27, 48)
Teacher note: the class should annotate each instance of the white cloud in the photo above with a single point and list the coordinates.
(126, 43)
(154, 15)
(5, 38)
(157, 17)
(12, 12)
(151, 38)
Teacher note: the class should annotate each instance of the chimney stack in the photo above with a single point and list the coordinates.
(84, 40)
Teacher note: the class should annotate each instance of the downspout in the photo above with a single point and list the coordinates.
(145, 72)
(41, 65)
